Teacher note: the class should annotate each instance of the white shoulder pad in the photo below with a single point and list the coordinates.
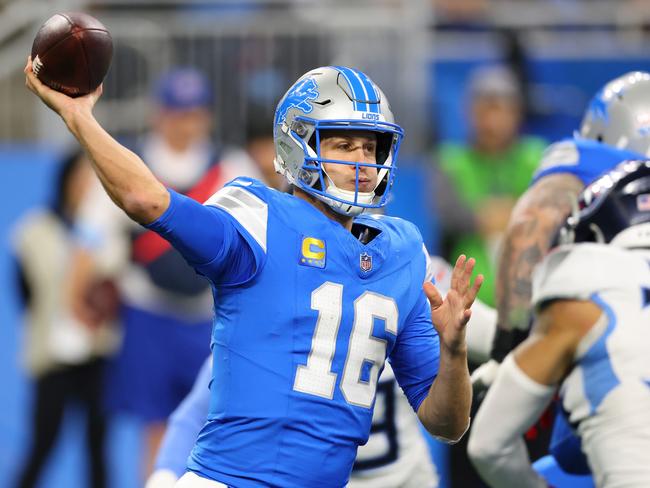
(576, 271)
(245, 207)
(563, 153)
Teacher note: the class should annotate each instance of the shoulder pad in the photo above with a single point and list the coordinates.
(246, 200)
(560, 154)
(576, 271)
(583, 158)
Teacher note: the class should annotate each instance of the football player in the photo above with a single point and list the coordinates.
(590, 339)
(396, 453)
(615, 127)
(313, 296)
(612, 130)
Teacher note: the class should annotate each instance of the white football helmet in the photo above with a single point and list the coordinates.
(334, 98)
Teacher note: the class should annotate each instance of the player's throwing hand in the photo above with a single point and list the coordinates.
(58, 101)
(450, 316)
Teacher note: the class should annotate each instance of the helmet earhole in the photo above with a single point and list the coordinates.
(299, 129)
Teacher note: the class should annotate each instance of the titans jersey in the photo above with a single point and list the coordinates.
(607, 394)
(583, 158)
(300, 337)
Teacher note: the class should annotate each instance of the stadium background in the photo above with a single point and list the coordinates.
(420, 51)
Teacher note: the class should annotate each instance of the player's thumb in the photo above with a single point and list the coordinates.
(433, 295)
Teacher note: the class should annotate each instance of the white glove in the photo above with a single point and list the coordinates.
(484, 375)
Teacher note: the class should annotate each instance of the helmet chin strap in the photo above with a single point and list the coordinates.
(349, 209)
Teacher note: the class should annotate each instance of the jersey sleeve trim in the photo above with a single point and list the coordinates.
(429, 274)
(250, 211)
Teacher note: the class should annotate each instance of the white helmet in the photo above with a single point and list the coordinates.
(334, 98)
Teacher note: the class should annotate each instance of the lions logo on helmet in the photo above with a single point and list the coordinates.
(297, 97)
(334, 98)
(619, 114)
(612, 209)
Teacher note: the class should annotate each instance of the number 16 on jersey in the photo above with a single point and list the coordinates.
(316, 377)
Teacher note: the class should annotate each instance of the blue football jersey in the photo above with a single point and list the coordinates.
(583, 158)
(299, 342)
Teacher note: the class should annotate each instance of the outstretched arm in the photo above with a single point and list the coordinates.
(533, 223)
(523, 388)
(125, 177)
(445, 410)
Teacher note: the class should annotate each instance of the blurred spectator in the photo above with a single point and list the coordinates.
(460, 13)
(491, 171)
(64, 355)
(167, 307)
(255, 159)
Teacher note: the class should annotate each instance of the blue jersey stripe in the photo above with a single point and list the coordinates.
(598, 373)
(358, 92)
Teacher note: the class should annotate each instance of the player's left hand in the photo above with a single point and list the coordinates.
(450, 316)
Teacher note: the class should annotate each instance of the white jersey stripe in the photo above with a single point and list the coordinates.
(246, 208)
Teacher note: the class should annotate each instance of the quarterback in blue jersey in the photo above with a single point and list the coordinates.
(313, 296)
(396, 453)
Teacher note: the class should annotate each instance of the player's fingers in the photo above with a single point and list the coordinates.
(34, 82)
(469, 269)
(28, 83)
(433, 295)
(466, 277)
(27, 71)
(470, 296)
(467, 314)
(457, 271)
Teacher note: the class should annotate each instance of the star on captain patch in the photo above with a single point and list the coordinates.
(365, 262)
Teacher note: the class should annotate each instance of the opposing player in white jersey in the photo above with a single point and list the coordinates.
(591, 337)
(396, 454)
(613, 129)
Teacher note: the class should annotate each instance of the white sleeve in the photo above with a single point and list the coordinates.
(577, 271)
(496, 446)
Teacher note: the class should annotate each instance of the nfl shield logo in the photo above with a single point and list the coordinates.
(365, 262)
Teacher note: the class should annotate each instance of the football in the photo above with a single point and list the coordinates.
(71, 53)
